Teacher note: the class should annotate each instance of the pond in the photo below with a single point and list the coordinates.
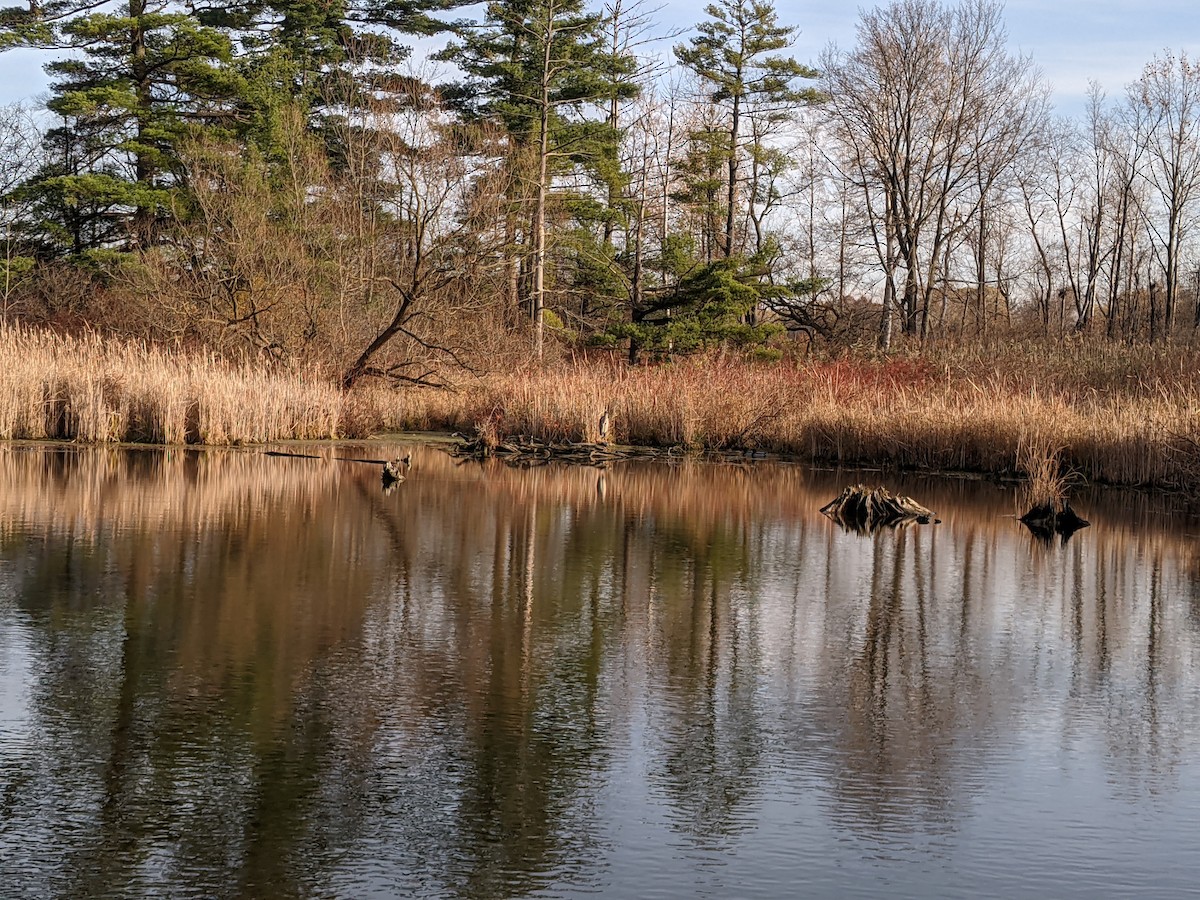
(224, 674)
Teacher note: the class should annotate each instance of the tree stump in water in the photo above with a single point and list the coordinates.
(865, 509)
(1046, 520)
(393, 472)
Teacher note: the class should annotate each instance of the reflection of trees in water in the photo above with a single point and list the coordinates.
(264, 677)
(895, 744)
(711, 727)
(1141, 678)
(961, 648)
(502, 652)
(533, 733)
(175, 618)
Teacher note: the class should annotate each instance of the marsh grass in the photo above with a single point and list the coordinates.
(87, 389)
(1046, 482)
(1110, 415)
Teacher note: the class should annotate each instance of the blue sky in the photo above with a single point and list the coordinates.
(1070, 40)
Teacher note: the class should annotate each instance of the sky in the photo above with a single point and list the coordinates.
(1071, 41)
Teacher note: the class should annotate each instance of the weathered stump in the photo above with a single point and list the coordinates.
(394, 471)
(1046, 520)
(865, 509)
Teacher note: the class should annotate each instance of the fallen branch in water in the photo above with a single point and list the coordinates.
(530, 450)
(374, 462)
(394, 470)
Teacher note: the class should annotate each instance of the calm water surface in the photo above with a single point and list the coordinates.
(231, 675)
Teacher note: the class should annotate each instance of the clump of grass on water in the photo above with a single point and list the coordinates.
(1046, 484)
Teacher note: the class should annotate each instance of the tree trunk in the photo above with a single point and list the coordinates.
(143, 220)
(731, 195)
(538, 299)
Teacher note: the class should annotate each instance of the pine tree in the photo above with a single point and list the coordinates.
(735, 54)
(542, 68)
(138, 79)
(323, 57)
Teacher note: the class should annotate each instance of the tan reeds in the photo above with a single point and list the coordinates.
(1046, 482)
(1125, 418)
(1113, 414)
(88, 389)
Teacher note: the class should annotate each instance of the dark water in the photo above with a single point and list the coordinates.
(226, 675)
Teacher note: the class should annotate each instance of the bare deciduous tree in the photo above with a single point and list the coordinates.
(932, 110)
(1164, 111)
(20, 142)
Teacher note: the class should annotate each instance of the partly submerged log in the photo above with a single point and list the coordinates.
(865, 509)
(1046, 520)
(523, 449)
(394, 471)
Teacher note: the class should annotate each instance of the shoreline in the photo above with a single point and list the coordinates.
(905, 413)
(1098, 413)
(1182, 509)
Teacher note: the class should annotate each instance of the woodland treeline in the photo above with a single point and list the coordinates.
(290, 180)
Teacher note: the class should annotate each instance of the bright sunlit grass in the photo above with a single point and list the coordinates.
(1116, 416)
(87, 389)
(1112, 414)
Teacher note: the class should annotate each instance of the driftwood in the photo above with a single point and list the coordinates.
(394, 470)
(864, 509)
(1046, 520)
(522, 449)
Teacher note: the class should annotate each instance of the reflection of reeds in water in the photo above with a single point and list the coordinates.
(698, 495)
(201, 488)
(138, 489)
(83, 388)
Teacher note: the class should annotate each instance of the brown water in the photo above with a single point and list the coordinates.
(226, 675)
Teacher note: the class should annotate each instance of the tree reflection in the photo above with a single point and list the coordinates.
(265, 677)
(185, 636)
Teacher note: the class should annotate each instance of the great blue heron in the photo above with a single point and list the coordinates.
(605, 422)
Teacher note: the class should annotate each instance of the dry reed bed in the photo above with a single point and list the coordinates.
(1112, 414)
(908, 412)
(88, 389)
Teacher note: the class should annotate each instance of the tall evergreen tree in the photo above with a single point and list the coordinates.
(323, 58)
(736, 55)
(137, 77)
(544, 70)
